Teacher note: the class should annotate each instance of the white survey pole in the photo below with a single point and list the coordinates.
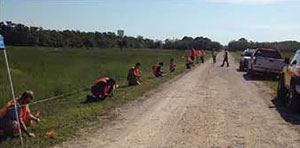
(2, 47)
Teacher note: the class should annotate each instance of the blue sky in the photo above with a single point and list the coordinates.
(220, 20)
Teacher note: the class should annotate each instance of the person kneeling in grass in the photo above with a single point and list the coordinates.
(188, 62)
(134, 75)
(172, 65)
(157, 69)
(8, 118)
(102, 89)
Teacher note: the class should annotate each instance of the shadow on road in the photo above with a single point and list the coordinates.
(260, 77)
(239, 70)
(280, 106)
(285, 113)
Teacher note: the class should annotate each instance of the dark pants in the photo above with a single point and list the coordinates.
(132, 81)
(8, 126)
(202, 59)
(214, 59)
(225, 60)
(97, 92)
(158, 75)
(193, 58)
(188, 66)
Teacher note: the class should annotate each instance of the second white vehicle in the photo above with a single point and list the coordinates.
(265, 61)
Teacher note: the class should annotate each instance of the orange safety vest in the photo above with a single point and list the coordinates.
(193, 53)
(8, 105)
(4, 109)
(24, 112)
(101, 80)
(203, 52)
(107, 87)
(136, 72)
(133, 72)
(154, 69)
(199, 53)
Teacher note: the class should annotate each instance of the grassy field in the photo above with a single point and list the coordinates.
(271, 83)
(54, 71)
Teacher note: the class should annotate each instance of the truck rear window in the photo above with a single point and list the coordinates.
(268, 54)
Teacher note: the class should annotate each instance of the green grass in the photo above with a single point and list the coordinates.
(50, 72)
(271, 84)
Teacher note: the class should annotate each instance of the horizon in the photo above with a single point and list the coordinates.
(221, 21)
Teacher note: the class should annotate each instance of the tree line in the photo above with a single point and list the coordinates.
(189, 42)
(21, 35)
(242, 44)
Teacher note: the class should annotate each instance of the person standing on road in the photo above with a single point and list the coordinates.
(193, 54)
(214, 55)
(199, 54)
(225, 58)
(202, 55)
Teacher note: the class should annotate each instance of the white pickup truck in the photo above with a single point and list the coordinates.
(265, 61)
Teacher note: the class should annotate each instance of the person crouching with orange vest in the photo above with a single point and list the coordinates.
(8, 118)
(101, 89)
(157, 69)
(134, 75)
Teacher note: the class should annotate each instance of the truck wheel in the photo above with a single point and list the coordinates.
(281, 90)
(241, 68)
(249, 72)
(294, 101)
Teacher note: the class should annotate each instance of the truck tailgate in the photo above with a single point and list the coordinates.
(269, 63)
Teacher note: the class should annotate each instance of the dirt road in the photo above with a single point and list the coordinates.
(210, 106)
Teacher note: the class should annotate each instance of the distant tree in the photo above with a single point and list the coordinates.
(243, 44)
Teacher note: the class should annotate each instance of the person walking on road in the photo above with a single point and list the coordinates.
(225, 58)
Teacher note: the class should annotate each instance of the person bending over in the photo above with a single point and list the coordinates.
(134, 75)
(172, 65)
(157, 69)
(102, 89)
(8, 117)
